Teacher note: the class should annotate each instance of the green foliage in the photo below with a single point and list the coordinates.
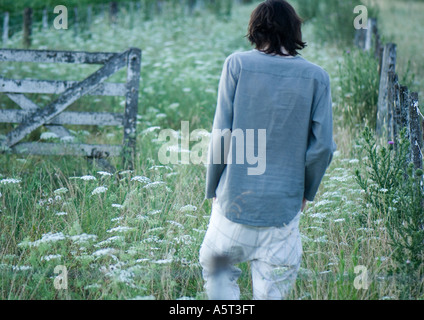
(395, 191)
(333, 18)
(359, 81)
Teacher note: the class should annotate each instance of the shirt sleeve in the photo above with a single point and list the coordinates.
(222, 124)
(321, 145)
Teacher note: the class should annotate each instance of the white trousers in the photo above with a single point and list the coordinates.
(274, 254)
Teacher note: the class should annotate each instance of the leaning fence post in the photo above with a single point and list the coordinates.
(370, 33)
(404, 107)
(44, 20)
(131, 107)
(5, 36)
(388, 64)
(416, 136)
(89, 18)
(27, 27)
(392, 111)
(113, 12)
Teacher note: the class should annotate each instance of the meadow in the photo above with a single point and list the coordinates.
(136, 234)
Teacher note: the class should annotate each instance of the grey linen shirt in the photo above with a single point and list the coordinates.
(290, 98)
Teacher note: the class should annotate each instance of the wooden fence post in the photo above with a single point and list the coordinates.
(371, 33)
(5, 36)
(392, 110)
(89, 18)
(45, 20)
(113, 12)
(416, 135)
(388, 64)
(27, 27)
(131, 110)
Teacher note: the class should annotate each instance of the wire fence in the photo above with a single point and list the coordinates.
(397, 107)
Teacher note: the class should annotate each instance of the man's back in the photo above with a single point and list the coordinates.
(279, 110)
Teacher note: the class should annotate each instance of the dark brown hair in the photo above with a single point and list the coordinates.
(275, 24)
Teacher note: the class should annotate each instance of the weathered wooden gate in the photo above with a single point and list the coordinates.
(54, 116)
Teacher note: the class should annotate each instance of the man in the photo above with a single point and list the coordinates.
(274, 104)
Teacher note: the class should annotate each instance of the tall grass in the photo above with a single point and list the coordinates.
(136, 234)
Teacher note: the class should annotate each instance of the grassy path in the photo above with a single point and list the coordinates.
(137, 235)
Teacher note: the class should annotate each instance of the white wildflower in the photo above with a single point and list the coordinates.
(10, 180)
(154, 185)
(188, 208)
(126, 172)
(116, 205)
(323, 203)
(175, 223)
(88, 178)
(120, 229)
(92, 286)
(61, 191)
(110, 240)
(141, 179)
(163, 261)
(99, 190)
(51, 257)
(48, 135)
(149, 130)
(160, 167)
(45, 238)
(67, 139)
(104, 252)
(104, 173)
(82, 238)
(174, 106)
(318, 215)
(21, 268)
(61, 213)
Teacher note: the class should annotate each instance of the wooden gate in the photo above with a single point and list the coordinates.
(53, 116)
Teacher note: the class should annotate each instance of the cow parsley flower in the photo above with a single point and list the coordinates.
(51, 257)
(104, 173)
(141, 179)
(188, 208)
(60, 191)
(88, 178)
(10, 181)
(99, 190)
(120, 229)
(48, 136)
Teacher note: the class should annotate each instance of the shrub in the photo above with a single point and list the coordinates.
(358, 73)
(395, 191)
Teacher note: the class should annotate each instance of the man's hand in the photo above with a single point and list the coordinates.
(303, 204)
